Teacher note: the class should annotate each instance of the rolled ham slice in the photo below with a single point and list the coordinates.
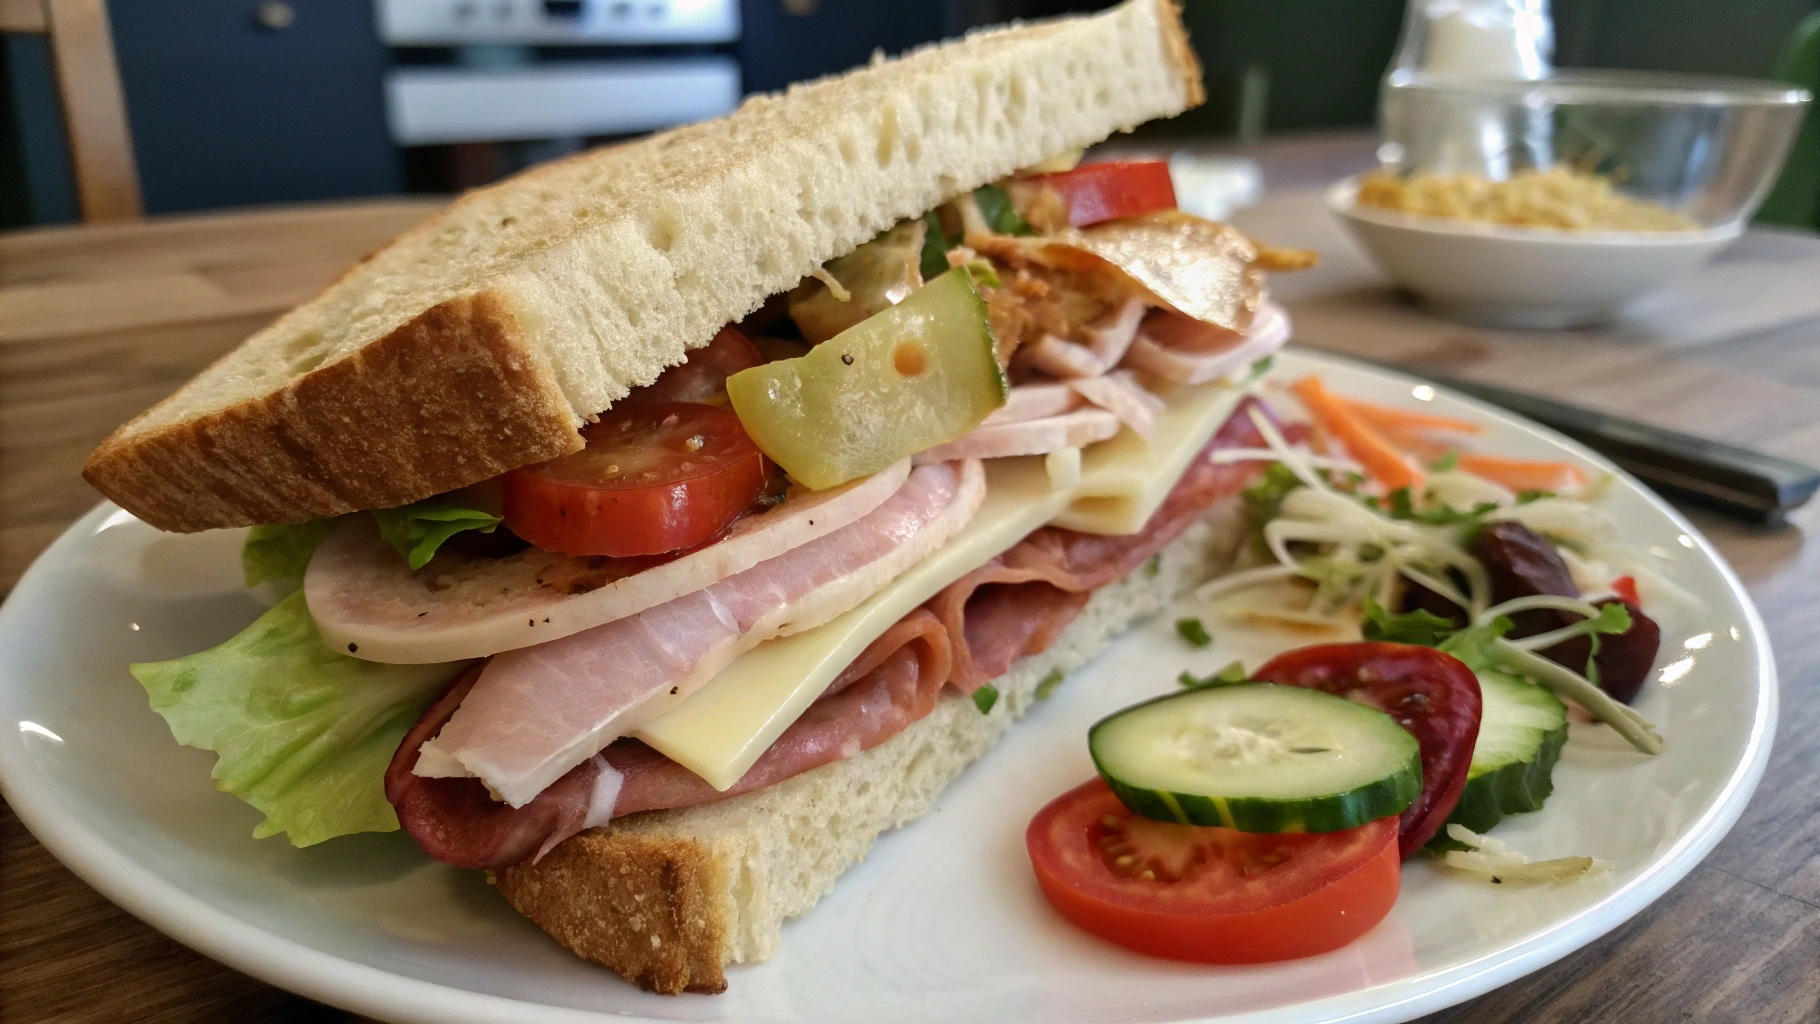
(1031, 437)
(1109, 338)
(1059, 357)
(1121, 395)
(367, 601)
(1102, 345)
(1185, 351)
(535, 713)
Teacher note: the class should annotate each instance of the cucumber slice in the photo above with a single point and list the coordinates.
(1521, 731)
(1258, 757)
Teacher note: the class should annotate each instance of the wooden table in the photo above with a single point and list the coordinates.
(96, 324)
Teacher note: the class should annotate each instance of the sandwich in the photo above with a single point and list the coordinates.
(655, 528)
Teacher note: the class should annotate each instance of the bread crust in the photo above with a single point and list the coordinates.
(454, 395)
(1181, 52)
(645, 906)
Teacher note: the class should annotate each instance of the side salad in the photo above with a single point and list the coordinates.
(1476, 605)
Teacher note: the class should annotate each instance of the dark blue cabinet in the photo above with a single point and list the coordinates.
(226, 112)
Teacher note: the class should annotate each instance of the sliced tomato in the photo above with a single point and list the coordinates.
(1119, 188)
(1211, 895)
(703, 377)
(654, 477)
(1432, 694)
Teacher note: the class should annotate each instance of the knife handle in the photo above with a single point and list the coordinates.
(1745, 483)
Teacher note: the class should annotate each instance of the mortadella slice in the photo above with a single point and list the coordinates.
(367, 601)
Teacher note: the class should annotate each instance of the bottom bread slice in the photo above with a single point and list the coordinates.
(669, 898)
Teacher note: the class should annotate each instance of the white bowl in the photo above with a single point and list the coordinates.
(1537, 278)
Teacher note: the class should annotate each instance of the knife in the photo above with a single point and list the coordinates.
(1737, 481)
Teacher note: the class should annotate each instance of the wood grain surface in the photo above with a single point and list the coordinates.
(97, 323)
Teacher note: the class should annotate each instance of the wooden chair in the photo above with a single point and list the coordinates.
(94, 108)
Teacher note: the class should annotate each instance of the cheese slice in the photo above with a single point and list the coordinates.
(720, 730)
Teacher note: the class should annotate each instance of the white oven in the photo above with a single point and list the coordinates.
(510, 70)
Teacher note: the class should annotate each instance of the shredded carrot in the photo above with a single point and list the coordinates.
(1381, 459)
(1389, 420)
(1421, 445)
(1524, 474)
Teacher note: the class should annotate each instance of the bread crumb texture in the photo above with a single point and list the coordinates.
(600, 270)
(717, 882)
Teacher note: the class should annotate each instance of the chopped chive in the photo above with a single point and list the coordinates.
(1446, 462)
(984, 698)
(1193, 631)
(1234, 672)
(1049, 683)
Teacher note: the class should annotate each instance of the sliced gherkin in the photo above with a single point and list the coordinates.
(912, 376)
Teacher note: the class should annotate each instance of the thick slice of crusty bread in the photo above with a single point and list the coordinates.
(481, 339)
(669, 898)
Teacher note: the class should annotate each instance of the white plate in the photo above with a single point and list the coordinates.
(942, 922)
(1502, 276)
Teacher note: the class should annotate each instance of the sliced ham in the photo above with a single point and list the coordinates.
(1103, 343)
(1121, 395)
(1109, 338)
(456, 821)
(533, 714)
(1059, 357)
(1034, 402)
(969, 634)
(367, 601)
(1185, 351)
(1031, 437)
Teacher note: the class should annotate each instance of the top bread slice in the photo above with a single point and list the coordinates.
(482, 339)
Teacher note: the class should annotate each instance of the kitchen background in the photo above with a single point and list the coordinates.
(236, 102)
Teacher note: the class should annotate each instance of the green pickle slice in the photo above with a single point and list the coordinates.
(915, 375)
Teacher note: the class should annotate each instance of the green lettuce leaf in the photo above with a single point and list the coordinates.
(419, 528)
(1264, 498)
(304, 732)
(1419, 627)
(1477, 645)
(274, 553)
(936, 244)
(995, 206)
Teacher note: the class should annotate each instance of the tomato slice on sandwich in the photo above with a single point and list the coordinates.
(703, 377)
(1210, 895)
(654, 478)
(1108, 191)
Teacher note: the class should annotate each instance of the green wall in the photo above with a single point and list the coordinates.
(1310, 64)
